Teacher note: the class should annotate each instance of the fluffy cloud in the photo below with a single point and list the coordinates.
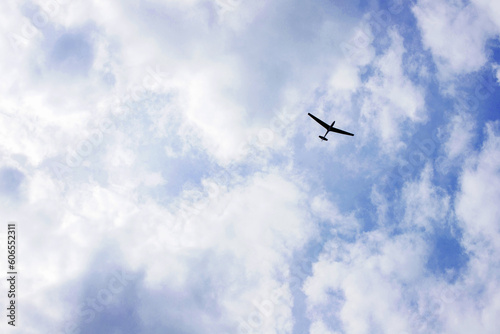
(477, 296)
(426, 206)
(456, 32)
(392, 98)
(349, 279)
(461, 133)
(102, 101)
(491, 8)
(392, 269)
(247, 233)
(479, 190)
(496, 68)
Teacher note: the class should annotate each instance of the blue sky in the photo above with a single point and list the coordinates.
(164, 175)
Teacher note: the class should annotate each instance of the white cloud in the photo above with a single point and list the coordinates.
(456, 33)
(319, 327)
(381, 203)
(491, 8)
(349, 279)
(426, 206)
(218, 72)
(325, 210)
(249, 232)
(345, 77)
(496, 68)
(210, 77)
(390, 270)
(391, 99)
(461, 133)
(475, 299)
(476, 204)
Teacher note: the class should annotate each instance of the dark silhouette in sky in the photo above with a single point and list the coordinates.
(329, 127)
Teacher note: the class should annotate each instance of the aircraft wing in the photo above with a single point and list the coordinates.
(340, 131)
(326, 126)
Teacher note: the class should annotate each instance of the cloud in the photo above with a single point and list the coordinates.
(491, 8)
(118, 92)
(349, 279)
(319, 327)
(211, 86)
(10, 180)
(246, 242)
(349, 275)
(426, 206)
(461, 134)
(479, 191)
(325, 210)
(474, 300)
(225, 245)
(391, 98)
(496, 68)
(456, 33)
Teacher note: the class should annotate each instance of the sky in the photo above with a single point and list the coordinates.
(163, 175)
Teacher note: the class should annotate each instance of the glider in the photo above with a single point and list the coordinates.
(329, 127)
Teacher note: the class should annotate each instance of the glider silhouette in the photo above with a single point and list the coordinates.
(329, 127)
